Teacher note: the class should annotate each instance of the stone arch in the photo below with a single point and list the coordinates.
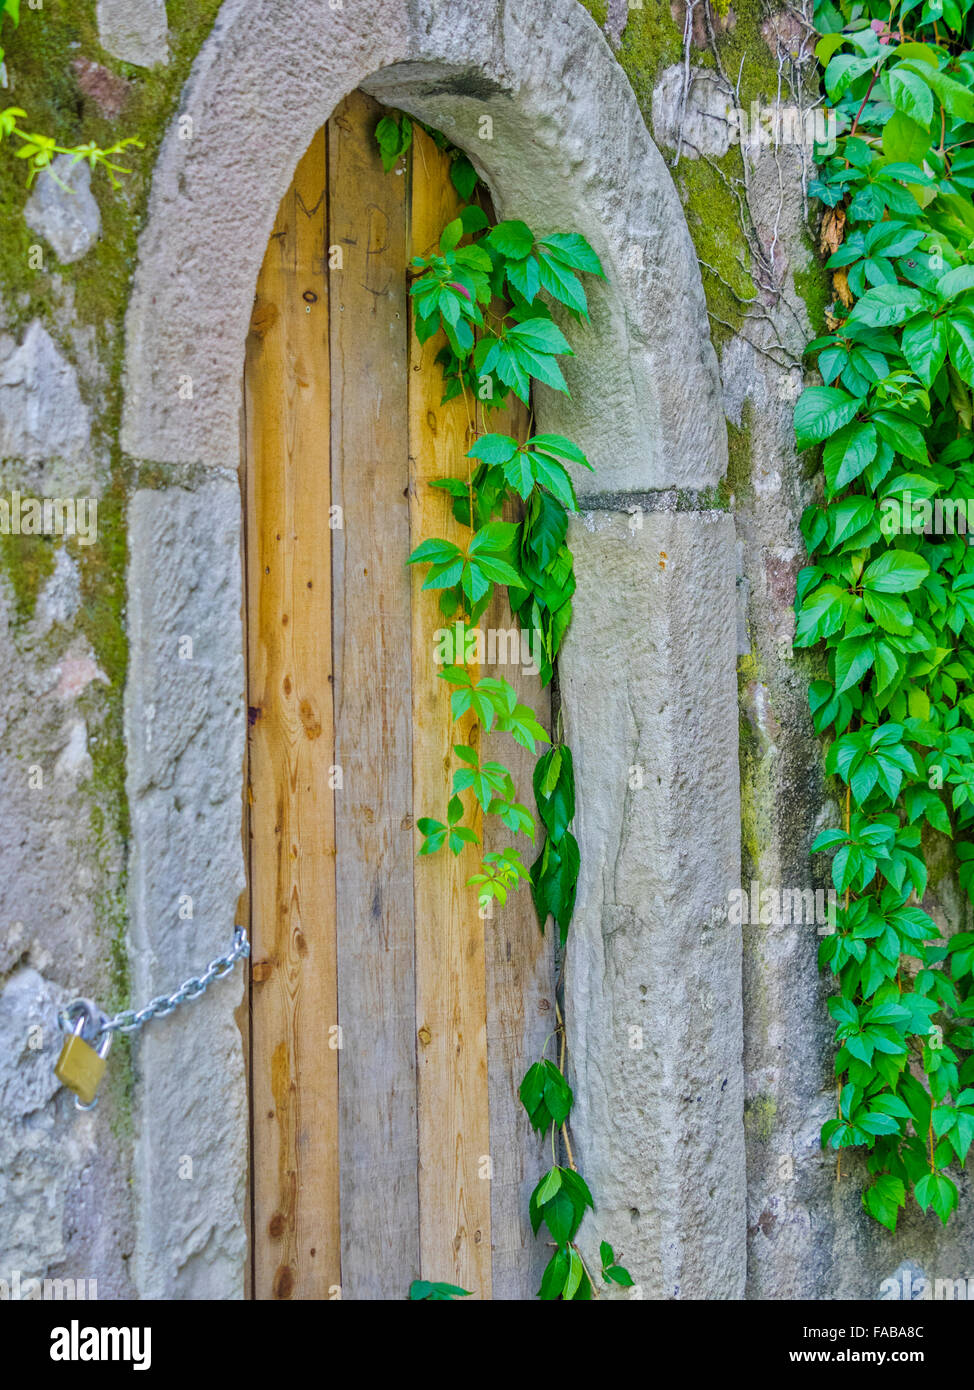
(648, 673)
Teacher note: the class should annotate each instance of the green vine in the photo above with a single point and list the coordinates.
(489, 289)
(890, 590)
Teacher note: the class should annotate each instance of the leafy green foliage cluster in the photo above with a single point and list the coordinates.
(490, 291)
(561, 1198)
(40, 150)
(890, 590)
(394, 135)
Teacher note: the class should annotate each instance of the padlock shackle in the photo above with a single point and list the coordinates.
(86, 1013)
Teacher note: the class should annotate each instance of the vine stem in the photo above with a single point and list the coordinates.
(568, 1147)
(476, 408)
(838, 1084)
(471, 433)
(862, 105)
(848, 823)
(592, 1286)
(559, 1019)
(561, 1067)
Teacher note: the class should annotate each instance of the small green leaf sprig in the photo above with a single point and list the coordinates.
(394, 135)
(562, 1197)
(40, 150)
(890, 591)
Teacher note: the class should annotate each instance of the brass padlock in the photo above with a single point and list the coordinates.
(81, 1066)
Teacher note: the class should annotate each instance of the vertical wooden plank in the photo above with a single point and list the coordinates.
(451, 1006)
(370, 471)
(520, 970)
(242, 1014)
(294, 994)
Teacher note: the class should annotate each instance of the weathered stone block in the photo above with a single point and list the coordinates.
(654, 970)
(186, 735)
(134, 30)
(63, 210)
(42, 414)
(694, 112)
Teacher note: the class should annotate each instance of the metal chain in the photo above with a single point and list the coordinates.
(130, 1020)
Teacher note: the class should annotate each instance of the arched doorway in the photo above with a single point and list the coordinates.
(390, 1024)
(648, 669)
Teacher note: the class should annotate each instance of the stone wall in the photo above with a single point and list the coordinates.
(70, 893)
(66, 1179)
(808, 1235)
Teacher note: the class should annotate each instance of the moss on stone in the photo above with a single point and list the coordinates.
(708, 499)
(744, 51)
(598, 9)
(43, 82)
(111, 915)
(102, 568)
(27, 561)
(713, 217)
(749, 758)
(760, 1113)
(739, 460)
(102, 617)
(651, 41)
(750, 849)
(814, 286)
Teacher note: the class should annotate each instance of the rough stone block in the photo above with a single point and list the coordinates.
(699, 120)
(653, 983)
(35, 1160)
(42, 414)
(134, 30)
(62, 209)
(186, 735)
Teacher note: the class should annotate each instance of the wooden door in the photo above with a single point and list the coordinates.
(390, 1024)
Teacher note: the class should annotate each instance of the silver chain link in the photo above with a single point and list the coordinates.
(130, 1020)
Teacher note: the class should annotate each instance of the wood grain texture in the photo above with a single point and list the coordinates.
(373, 714)
(520, 971)
(292, 846)
(406, 1153)
(451, 1004)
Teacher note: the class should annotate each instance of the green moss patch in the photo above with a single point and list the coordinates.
(713, 217)
(27, 561)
